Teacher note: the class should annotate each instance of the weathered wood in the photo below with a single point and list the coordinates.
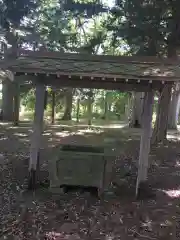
(93, 66)
(145, 140)
(101, 58)
(76, 82)
(36, 135)
(41, 69)
(7, 100)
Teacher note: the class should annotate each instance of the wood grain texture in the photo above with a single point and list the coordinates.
(95, 66)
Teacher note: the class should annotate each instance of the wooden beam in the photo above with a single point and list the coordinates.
(98, 83)
(98, 58)
(108, 84)
(120, 76)
(36, 135)
(145, 140)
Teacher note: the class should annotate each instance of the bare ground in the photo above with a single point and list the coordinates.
(42, 215)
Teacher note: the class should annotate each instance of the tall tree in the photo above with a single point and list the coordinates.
(161, 124)
(174, 107)
(136, 118)
(12, 13)
(70, 26)
(68, 104)
(149, 28)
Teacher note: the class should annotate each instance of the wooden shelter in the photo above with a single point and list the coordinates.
(143, 74)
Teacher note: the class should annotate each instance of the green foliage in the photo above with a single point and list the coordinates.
(28, 100)
(148, 27)
(13, 11)
(75, 26)
(88, 26)
(87, 8)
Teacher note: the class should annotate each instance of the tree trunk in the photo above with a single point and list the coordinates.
(68, 105)
(106, 106)
(128, 108)
(161, 124)
(8, 86)
(7, 100)
(174, 108)
(78, 108)
(16, 104)
(53, 104)
(173, 42)
(136, 118)
(89, 107)
(109, 107)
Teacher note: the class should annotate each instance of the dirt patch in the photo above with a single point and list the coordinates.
(75, 215)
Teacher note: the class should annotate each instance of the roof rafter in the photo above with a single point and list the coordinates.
(111, 68)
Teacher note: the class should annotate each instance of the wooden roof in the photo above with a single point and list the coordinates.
(113, 68)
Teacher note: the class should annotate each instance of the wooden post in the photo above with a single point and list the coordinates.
(36, 135)
(53, 106)
(145, 140)
(16, 104)
(7, 100)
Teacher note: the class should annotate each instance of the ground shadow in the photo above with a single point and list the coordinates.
(42, 215)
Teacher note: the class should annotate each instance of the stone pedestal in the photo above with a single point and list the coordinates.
(85, 166)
